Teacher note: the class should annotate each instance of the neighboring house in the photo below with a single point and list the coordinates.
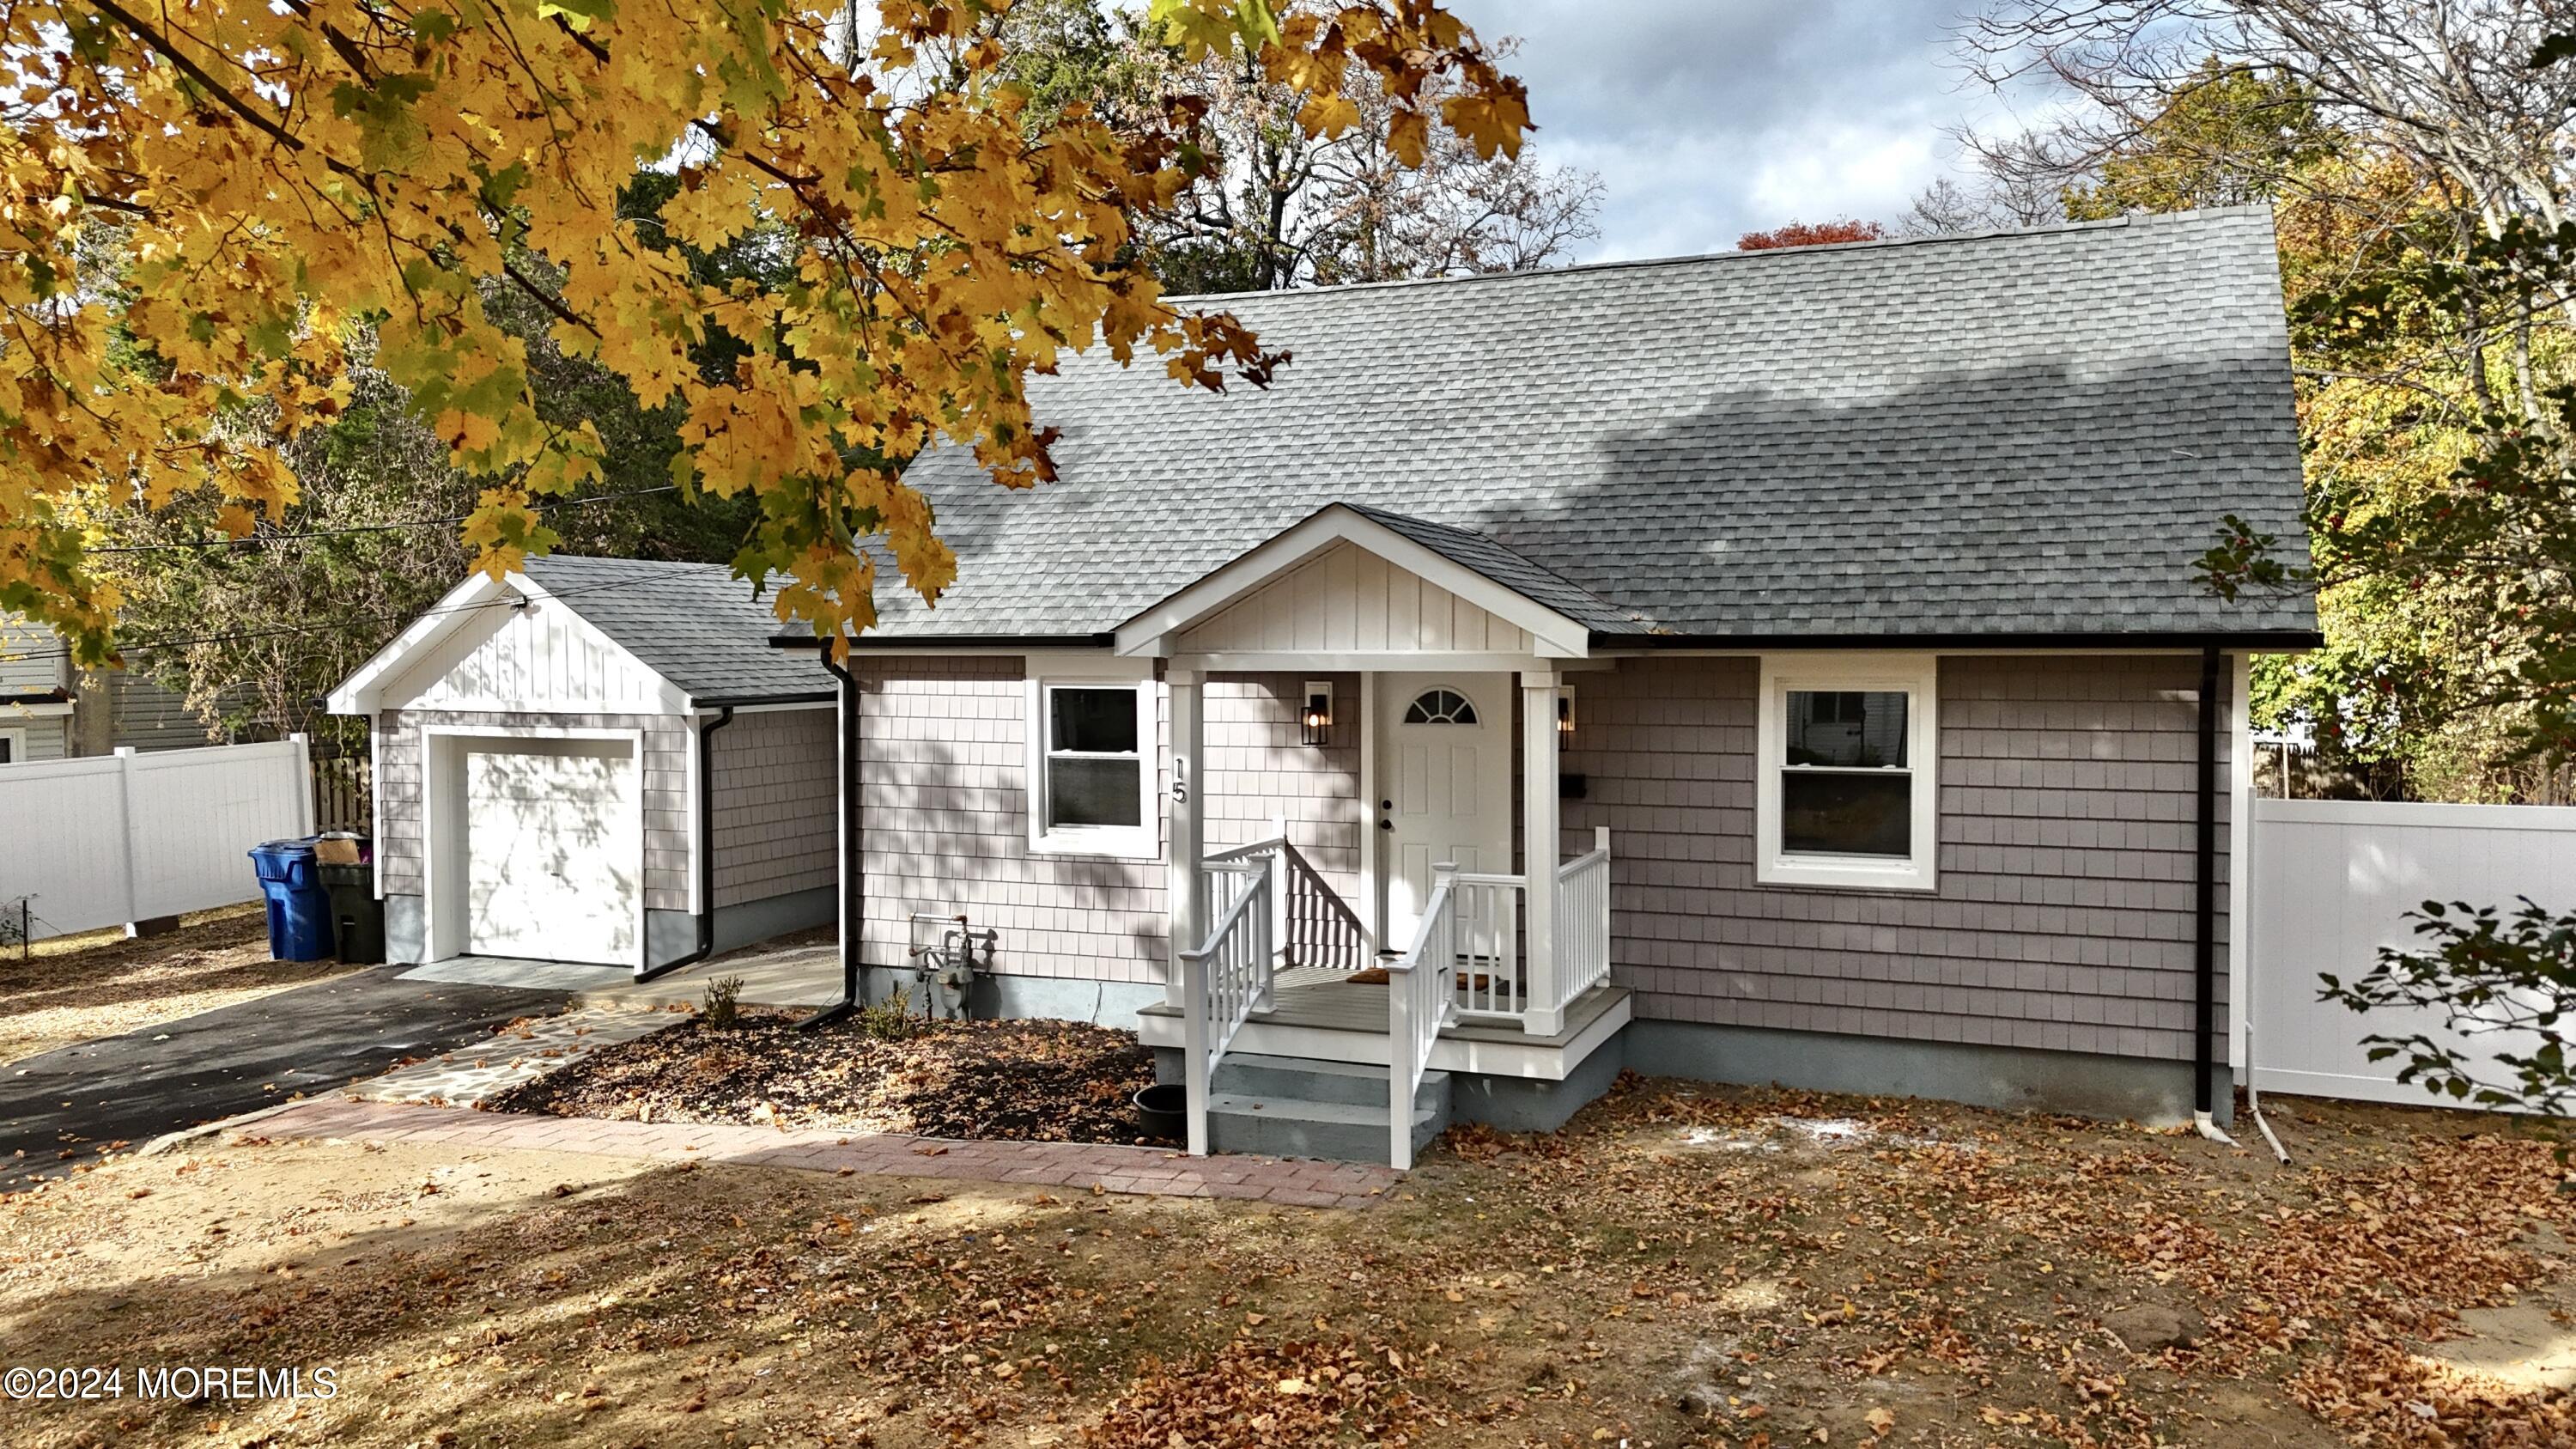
(1826, 615)
(35, 693)
(51, 710)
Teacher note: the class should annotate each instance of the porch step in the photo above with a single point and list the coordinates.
(1290, 1107)
(1248, 1074)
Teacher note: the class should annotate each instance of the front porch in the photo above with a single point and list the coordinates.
(1293, 1035)
(1470, 943)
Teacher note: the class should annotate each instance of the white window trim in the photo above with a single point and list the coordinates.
(1141, 841)
(17, 738)
(1918, 676)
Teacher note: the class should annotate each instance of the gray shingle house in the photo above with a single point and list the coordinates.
(1778, 666)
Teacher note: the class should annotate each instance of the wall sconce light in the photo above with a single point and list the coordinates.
(1316, 720)
(1565, 712)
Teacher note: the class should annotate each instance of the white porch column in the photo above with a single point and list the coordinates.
(1540, 691)
(1185, 830)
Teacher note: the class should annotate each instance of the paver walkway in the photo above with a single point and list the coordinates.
(1151, 1171)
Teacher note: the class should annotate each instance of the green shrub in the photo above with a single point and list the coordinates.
(891, 1019)
(724, 1003)
(2487, 972)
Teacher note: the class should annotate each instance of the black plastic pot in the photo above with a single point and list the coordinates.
(1164, 1108)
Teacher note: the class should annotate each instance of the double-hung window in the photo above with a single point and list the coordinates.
(1091, 767)
(1845, 785)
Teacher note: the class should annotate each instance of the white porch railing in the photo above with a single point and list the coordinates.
(1322, 929)
(1494, 980)
(1421, 995)
(1229, 873)
(1311, 924)
(1487, 938)
(1583, 920)
(1273, 910)
(1222, 984)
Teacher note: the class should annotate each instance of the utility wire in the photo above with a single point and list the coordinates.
(254, 539)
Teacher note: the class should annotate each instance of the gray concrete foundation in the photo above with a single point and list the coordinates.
(670, 935)
(1523, 1104)
(2013, 1078)
(995, 997)
(406, 930)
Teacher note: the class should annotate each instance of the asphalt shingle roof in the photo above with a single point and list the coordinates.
(694, 624)
(1526, 577)
(2021, 434)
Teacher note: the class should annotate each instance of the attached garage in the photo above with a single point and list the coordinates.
(599, 761)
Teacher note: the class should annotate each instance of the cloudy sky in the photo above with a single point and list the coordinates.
(1710, 118)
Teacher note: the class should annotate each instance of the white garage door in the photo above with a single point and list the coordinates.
(554, 850)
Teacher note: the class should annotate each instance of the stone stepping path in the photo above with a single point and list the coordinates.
(516, 1054)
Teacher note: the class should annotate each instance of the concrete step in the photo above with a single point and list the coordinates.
(1289, 1127)
(1246, 1074)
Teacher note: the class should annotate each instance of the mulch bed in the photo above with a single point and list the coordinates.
(1019, 1081)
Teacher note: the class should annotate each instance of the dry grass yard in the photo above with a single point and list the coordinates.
(1684, 1265)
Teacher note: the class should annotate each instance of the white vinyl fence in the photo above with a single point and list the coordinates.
(2332, 883)
(127, 837)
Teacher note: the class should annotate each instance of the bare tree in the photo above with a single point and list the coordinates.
(1375, 220)
(2447, 82)
(1284, 208)
(2445, 89)
(1946, 208)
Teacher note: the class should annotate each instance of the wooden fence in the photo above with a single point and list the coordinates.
(344, 792)
(110, 839)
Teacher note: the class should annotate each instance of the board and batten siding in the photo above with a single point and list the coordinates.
(1347, 598)
(2063, 918)
(667, 761)
(543, 657)
(945, 813)
(777, 782)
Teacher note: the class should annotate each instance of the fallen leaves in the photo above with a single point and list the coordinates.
(1257, 1393)
(1023, 1080)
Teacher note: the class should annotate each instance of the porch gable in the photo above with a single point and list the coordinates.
(1358, 582)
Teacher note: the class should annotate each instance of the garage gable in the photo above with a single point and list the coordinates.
(507, 645)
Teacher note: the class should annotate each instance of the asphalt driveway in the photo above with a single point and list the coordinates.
(59, 1108)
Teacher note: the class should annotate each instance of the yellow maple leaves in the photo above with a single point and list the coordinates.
(205, 205)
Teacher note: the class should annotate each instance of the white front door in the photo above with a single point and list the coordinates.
(554, 850)
(1446, 787)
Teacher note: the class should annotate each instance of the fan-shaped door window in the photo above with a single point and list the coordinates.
(1441, 706)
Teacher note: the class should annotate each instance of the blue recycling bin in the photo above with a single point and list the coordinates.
(299, 905)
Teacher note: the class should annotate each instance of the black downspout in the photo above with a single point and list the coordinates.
(853, 879)
(2205, 903)
(706, 849)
